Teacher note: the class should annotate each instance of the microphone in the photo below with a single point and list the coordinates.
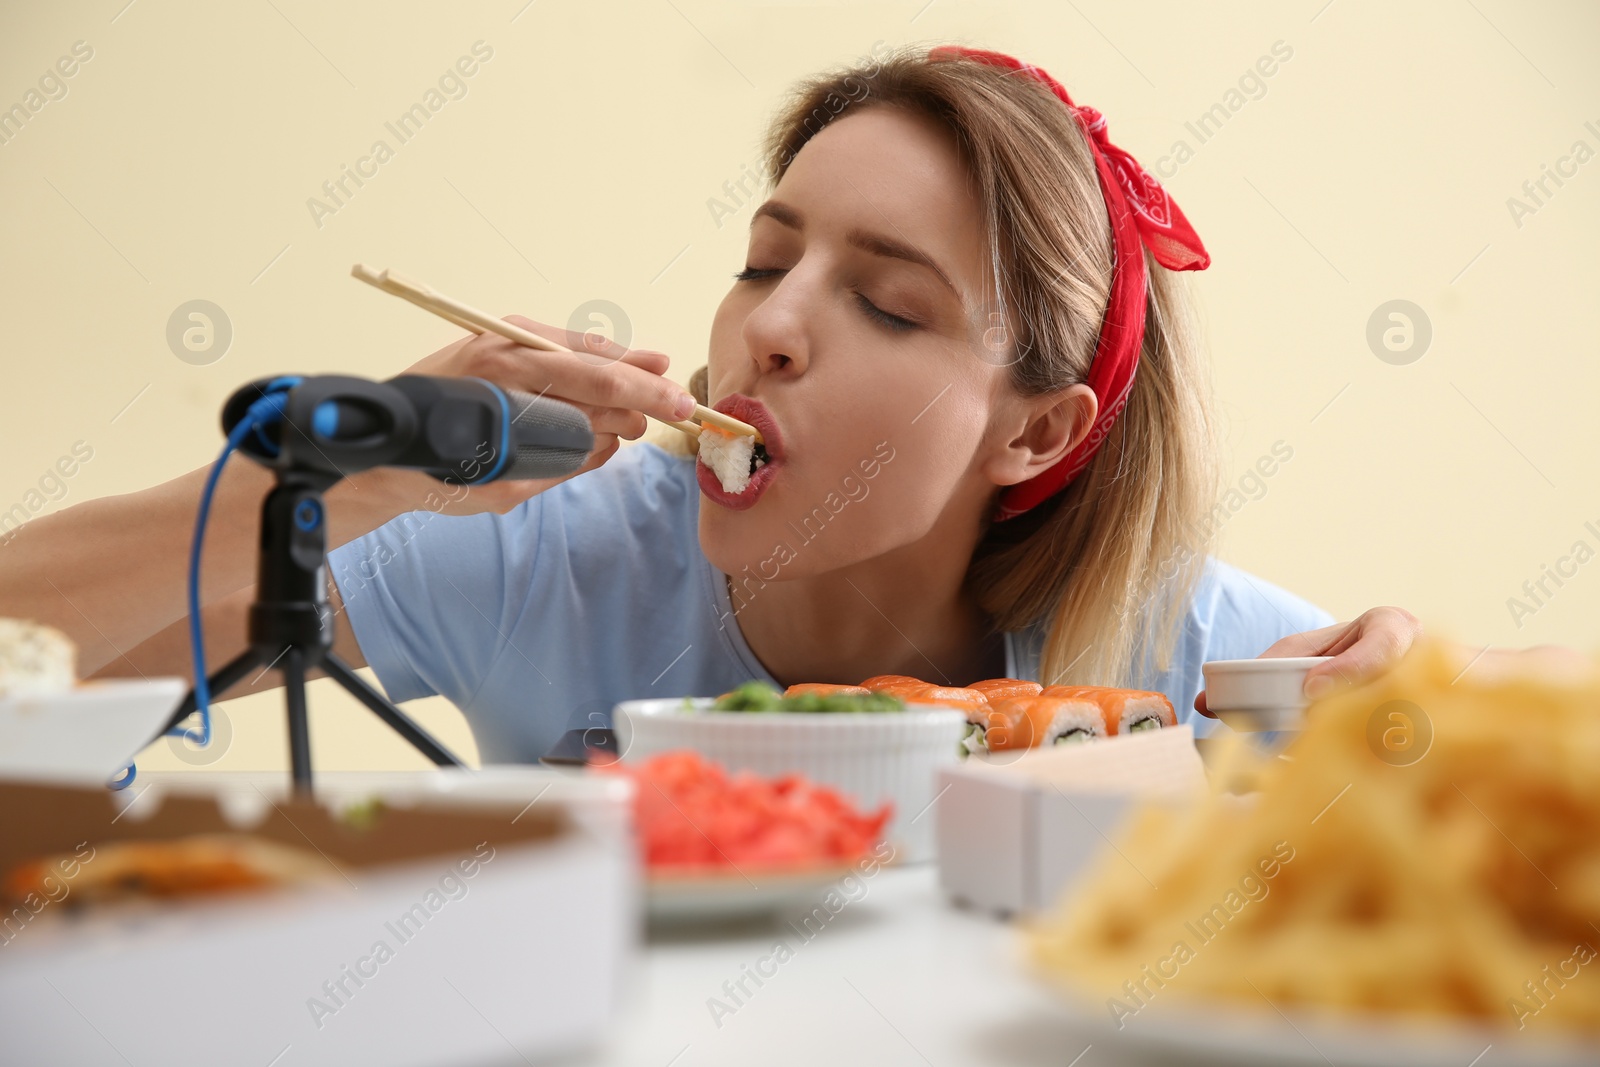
(462, 429)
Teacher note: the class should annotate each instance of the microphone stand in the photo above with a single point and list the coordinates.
(291, 624)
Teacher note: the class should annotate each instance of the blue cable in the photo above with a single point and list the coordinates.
(265, 412)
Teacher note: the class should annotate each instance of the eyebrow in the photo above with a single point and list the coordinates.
(875, 243)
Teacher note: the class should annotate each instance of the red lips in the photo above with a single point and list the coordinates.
(750, 410)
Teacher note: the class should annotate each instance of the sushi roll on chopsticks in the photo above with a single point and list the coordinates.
(733, 458)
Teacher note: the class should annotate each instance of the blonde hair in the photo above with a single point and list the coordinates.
(1109, 563)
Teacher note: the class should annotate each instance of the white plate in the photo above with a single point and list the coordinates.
(1223, 1033)
(735, 896)
(88, 733)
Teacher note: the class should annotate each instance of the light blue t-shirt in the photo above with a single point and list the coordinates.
(596, 591)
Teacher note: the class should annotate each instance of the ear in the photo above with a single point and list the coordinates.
(1039, 431)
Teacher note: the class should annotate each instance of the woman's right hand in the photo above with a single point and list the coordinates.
(614, 386)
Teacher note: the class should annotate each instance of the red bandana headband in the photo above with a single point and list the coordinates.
(1141, 212)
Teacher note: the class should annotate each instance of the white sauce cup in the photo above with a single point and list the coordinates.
(1259, 695)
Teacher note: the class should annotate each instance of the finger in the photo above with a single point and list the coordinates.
(1379, 638)
(605, 446)
(594, 343)
(629, 425)
(608, 385)
(649, 359)
(1327, 641)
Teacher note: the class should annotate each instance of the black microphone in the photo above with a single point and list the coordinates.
(461, 429)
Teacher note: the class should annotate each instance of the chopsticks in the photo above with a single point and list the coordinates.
(470, 318)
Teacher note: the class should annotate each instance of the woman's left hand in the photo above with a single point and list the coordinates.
(1366, 646)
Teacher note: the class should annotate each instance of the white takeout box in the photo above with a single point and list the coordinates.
(87, 733)
(1015, 828)
(523, 958)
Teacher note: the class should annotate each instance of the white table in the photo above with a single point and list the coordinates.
(901, 976)
(898, 976)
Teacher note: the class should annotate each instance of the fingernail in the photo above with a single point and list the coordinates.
(685, 408)
(1318, 687)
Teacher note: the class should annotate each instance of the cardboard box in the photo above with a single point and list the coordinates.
(466, 928)
(1015, 828)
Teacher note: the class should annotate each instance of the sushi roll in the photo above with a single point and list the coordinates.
(1005, 688)
(916, 691)
(1035, 722)
(1126, 711)
(986, 724)
(731, 457)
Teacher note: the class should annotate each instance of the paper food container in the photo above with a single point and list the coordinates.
(468, 925)
(88, 733)
(1015, 828)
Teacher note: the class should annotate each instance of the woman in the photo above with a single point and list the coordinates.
(987, 437)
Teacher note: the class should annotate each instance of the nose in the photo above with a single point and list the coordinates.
(775, 332)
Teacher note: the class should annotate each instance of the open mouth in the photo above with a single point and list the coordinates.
(735, 469)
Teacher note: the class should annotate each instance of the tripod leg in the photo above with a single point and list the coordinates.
(402, 723)
(294, 684)
(227, 676)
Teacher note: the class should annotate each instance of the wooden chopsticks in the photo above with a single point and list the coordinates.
(470, 318)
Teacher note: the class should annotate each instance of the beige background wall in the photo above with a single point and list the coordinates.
(1374, 164)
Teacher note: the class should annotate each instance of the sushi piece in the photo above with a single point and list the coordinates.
(916, 691)
(968, 700)
(889, 681)
(35, 659)
(1034, 722)
(1003, 688)
(732, 457)
(824, 689)
(1126, 711)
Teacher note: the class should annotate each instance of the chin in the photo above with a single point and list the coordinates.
(734, 540)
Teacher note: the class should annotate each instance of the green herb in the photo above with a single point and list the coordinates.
(363, 815)
(761, 696)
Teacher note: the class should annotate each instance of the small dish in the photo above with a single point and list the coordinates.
(1259, 695)
(872, 757)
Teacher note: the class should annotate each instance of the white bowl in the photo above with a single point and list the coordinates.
(1259, 695)
(869, 756)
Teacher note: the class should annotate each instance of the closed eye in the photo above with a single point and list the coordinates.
(893, 322)
(882, 317)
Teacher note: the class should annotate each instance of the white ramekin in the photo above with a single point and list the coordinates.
(871, 757)
(1259, 695)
